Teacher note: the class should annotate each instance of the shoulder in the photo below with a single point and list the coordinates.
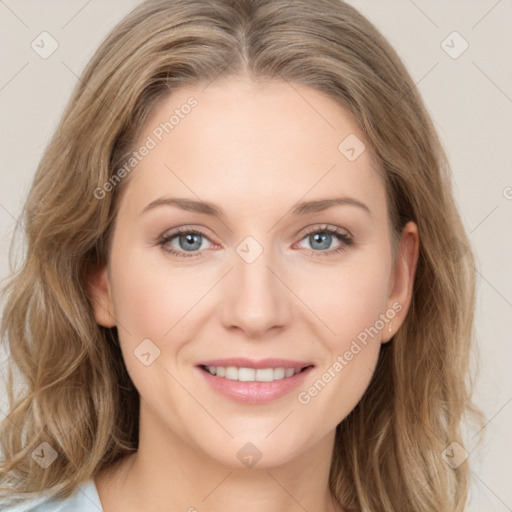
(85, 499)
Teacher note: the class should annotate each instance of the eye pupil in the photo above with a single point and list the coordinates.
(321, 237)
(190, 237)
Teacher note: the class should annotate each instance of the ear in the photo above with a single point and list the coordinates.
(101, 298)
(402, 279)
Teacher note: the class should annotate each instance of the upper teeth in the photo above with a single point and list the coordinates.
(252, 374)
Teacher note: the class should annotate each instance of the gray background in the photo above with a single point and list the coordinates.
(469, 98)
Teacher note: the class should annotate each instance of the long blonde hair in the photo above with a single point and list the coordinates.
(76, 394)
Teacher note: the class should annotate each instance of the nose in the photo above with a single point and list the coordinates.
(256, 300)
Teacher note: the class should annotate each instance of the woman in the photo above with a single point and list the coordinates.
(185, 342)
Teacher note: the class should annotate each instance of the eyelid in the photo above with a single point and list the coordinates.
(313, 228)
(173, 233)
(170, 233)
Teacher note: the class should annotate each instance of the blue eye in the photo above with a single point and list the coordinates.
(321, 238)
(190, 241)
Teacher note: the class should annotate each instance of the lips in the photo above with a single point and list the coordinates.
(246, 390)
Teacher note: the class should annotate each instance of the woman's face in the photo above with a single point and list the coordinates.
(276, 273)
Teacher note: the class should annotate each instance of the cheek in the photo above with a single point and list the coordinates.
(352, 305)
(349, 298)
(357, 314)
(157, 301)
(151, 296)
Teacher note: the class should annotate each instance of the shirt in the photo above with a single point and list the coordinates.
(85, 499)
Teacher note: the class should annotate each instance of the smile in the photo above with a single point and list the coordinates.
(252, 374)
(253, 386)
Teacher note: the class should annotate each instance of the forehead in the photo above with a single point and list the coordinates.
(251, 144)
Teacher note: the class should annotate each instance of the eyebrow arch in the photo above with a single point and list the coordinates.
(301, 208)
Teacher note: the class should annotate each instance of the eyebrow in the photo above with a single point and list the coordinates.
(300, 208)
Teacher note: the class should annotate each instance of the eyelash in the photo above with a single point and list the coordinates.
(346, 241)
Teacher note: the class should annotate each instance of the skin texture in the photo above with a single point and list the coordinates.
(253, 149)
